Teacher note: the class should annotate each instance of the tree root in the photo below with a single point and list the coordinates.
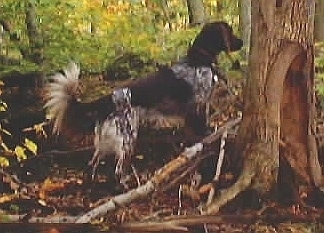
(229, 194)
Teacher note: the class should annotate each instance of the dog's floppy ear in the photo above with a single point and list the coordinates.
(214, 38)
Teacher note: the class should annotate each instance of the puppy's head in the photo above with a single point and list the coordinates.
(214, 38)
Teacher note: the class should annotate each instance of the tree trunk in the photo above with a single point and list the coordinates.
(319, 21)
(196, 12)
(34, 37)
(245, 24)
(36, 44)
(279, 103)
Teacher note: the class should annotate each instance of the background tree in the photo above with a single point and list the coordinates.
(105, 28)
(30, 49)
(279, 105)
(196, 12)
(245, 24)
(319, 21)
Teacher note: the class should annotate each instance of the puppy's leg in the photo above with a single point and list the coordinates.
(94, 164)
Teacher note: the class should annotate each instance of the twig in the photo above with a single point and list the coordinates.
(211, 138)
(190, 168)
(218, 167)
(179, 199)
(47, 219)
(38, 128)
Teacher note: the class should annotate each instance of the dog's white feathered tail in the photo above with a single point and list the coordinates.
(63, 89)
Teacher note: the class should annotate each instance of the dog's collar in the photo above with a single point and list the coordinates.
(213, 58)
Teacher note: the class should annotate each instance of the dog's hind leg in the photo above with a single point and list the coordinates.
(94, 163)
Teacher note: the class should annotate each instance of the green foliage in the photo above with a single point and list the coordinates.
(129, 65)
(94, 33)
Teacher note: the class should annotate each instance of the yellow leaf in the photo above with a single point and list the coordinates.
(30, 145)
(4, 146)
(39, 129)
(7, 198)
(3, 105)
(5, 132)
(4, 162)
(20, 153)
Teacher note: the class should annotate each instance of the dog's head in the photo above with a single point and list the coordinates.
(214, 38)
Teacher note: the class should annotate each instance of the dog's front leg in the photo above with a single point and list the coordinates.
(119, 169)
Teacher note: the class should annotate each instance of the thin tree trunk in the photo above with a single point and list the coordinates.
(35, 39)
(36, 44)
(14, 37)
(196, 12)
(245, 24)
(319, 21)
(165, 9)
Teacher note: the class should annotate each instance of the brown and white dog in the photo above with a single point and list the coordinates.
(178, 90)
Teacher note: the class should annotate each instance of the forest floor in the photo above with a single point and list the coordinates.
(52, 188)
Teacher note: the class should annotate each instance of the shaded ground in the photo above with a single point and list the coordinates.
(52, 184)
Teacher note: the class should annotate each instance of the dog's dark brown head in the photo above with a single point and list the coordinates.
(214, 38)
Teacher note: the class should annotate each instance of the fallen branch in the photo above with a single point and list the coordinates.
(185, 221)
(162, 177)
(49, 227)
(32, 219)
(213, 137)
(176, 221)
(191, 167)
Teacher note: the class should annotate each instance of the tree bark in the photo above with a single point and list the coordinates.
(196, 12)
(279, 103)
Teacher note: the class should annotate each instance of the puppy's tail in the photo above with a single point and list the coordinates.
(62, 94)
